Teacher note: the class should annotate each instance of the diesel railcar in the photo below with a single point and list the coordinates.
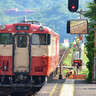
(29, 53)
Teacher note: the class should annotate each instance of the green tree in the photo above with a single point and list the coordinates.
(91, 14)
(71, 45)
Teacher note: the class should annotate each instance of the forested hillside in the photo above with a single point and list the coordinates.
(49, 12)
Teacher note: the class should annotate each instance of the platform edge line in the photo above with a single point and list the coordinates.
(53, 89)
(61, 89)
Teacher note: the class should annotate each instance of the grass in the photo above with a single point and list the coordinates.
(85, 59)
(68, 60)
(83, 71)
(65, 71)
(61, 45)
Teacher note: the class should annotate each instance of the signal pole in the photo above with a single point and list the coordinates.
(83, 36)
(80, 46)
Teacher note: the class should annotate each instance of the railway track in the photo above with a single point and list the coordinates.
(62, 65)
(63, 54)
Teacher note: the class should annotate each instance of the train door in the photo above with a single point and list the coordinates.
(21, 53)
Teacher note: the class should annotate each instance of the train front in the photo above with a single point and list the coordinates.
(24, 55)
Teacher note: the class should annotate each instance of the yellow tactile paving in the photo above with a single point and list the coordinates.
(67, 88)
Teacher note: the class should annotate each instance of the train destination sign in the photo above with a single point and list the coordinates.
(19, 27)
(77, 27)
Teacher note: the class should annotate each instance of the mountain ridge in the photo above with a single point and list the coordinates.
(49, 12)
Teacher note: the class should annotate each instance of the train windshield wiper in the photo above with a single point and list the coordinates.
(6, 42)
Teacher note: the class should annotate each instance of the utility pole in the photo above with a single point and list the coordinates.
(82, 35)
(94, 64)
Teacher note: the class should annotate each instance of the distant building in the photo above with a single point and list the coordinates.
(66, 43)
(14, 12)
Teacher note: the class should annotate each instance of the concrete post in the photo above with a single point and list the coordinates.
(94, 65)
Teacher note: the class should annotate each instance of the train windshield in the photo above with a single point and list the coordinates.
(5, 38)
(21, 41)
(40, 39)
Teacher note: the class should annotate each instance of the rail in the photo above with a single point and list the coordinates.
(60, 76)
(62, 57)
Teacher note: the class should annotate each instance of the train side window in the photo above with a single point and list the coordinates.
(35, 39)
(48, 39)
(21, 41)
(40, 39)
(5, 38)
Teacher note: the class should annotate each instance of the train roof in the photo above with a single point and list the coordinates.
(32, 28)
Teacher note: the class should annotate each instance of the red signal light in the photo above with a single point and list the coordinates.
(73, 7)
(74, 45)
(77, 61)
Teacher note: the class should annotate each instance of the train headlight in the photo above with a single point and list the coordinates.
(2, 27)
(41, 28)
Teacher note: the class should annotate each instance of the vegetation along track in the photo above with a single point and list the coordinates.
(63, 54)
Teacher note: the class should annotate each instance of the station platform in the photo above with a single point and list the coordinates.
(60, 87)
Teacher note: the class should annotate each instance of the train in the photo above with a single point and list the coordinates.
(29, 54)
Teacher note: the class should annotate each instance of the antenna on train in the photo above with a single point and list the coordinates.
(24, 19)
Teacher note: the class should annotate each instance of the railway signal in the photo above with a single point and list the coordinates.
(74, 45)
(77, 62)
(95, 1)
(80, 37)
(73, 5)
